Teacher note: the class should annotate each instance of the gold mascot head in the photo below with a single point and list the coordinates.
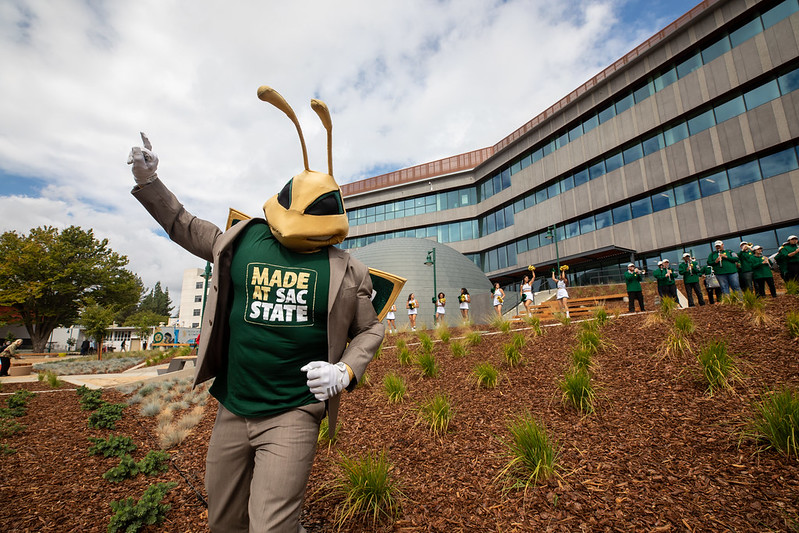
(308, 213)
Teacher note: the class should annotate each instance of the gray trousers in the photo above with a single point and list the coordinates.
(257, 468)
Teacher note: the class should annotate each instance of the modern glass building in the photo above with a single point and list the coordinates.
(691, 137)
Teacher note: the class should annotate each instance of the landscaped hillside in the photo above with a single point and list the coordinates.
(658, 453)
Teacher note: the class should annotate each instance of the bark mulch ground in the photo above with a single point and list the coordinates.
(659, 454)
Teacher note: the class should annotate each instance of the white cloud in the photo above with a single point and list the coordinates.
(407, 82)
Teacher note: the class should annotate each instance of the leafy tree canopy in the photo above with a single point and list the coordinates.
(49, 275)
(157, 301)
(96, 320)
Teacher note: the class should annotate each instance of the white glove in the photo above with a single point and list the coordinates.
(326, 380)
(144, 161)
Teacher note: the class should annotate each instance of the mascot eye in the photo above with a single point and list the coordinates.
(327, 204)
(284, 196)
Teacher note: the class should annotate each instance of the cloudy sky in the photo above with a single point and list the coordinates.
(406, 81)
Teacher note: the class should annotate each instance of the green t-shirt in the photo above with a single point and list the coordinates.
(278, 323)
(728, 264)
(633, 281)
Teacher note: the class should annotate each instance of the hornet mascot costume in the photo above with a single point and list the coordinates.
(289, 324)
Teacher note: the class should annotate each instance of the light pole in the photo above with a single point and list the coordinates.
(552, 233)
(206, 275)
(431, 260)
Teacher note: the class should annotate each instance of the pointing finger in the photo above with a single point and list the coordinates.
(145, 140)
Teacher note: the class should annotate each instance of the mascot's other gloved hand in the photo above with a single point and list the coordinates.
(144, 161)
(326, 380)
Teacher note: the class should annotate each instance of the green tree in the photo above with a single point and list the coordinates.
(48, 276)
(144, 322)
(157, 301)
(96, 320)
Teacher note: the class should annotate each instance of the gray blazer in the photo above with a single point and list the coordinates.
(349, 309)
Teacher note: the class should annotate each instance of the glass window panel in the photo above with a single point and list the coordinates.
(380, 217)
(441, 201)
(779, 12)
(521, 246)
(532, 242)
(529, 201)
(490, 224)
(621, 213)
(516, 167)
(596, 170)
(590, 123)
(370, 219)
(553, 190)
(390, 215)
(421, 233)
(511, 248)
(505, 178)
(430, 208)
(492, 260)
(653, 144)
(675, 134)
(484, 190)
(527, 161)
(499, 216)
(432, 231)
(663, 200)
(746, 32)
(785, 231)
(743, 174)
(572, 229)
(409, 203)
(497, 183)
(730, 109)
(509, 215)
(613, 162)
(665, 79)
(789, 82)
(548, 148)
(575, 132)
(503, 257)
(716, 49)
(642, 93)
(370, 210)
(641, 207)
(453, 198)
(701, 122)
(779, 163)
(567, 183)
(518, 205)
(380, 209)
(689, 65)
(537, 155)
(766, 239)
(760, 95)
(454, 231)
(587, 225)
(624, 104)
(562, 140)
(540, 195)
(603, 219)
(606, 114)
(633, 153)
(714, 184)
(443, 233)
(467, 230)
(430, 200)
(687, 192)
(580, 177)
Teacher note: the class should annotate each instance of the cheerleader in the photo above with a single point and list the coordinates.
(498, 298)
(390, 317)
(413, 309)
(562, 294)
(464, 300)
(440, 311)
(527, 297)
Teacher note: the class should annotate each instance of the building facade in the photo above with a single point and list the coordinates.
(689, 138)
(191, 298)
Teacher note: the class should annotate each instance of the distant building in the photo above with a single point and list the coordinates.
(191, 298)
(690, 137)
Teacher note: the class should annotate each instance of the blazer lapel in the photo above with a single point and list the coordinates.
(338, 266)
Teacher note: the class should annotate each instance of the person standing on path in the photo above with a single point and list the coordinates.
(690, 271)
(413, 310)
(497, 297)
(562, 295)
(633, 278)
(725, 266)
(464, 300)
(761, 273)
(790, 254)
(665, 277)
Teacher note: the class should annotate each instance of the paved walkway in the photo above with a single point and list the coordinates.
(101, 381)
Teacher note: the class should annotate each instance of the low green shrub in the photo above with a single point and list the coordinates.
(500, 324)
(425, 341)
(582, 358)
(458, 349)
(792, 323)
(130, 516)
(404, 356)
(444, 334)
(10, 427)
(512, 354)
(5, 449)
(91, 399)
(155, 462)
(437, 412)
(427, 364)
(718, 366)
(577, 390)
(519, 340)
(601, 316)
(106, 416)
(684, 324)
(473, 338)
(535, 323)
(368, 490)
(126, 469)
(113, 446)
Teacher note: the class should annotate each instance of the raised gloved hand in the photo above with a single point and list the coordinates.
(326, 380)
(144, 161)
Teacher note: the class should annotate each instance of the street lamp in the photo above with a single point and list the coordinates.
(206, 275)
(431, 260)
(552, 233)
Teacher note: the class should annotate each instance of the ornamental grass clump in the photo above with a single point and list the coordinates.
(582, 358)
(437, 413)
(485, 375)
(473, 338)
(577, 390)
(378, 353)
(368, 489)
(683, 324)
(324, 437)
(518, 340)
(427, 364)
(426, 342)
(458, 349)
(404, 356)
(533, 454)
(601, 316)
(718, 366)
(590, 339)
(535, 323)
(776, 422)
(755, 306)
(500, 324)
(792, 323)
(395, 387)
(512, 355)
(791, 287)
(444, 334)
